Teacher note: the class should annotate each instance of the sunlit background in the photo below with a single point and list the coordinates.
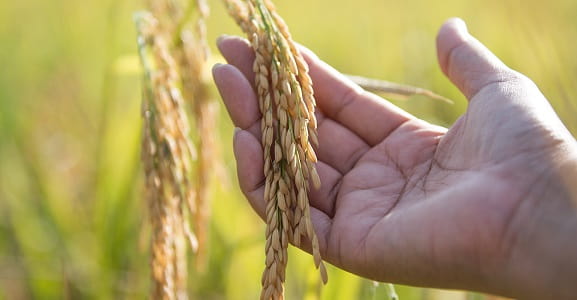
(72, 216)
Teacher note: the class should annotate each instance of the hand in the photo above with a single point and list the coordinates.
(481, 206)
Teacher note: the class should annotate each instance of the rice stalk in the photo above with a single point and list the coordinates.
(192, 52)
(178, 161)
(167, 154)
(288, 127)
(393, 88)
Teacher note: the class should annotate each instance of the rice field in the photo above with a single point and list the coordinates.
(73, 215)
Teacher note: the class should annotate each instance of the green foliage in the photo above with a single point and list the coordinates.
(72, 215)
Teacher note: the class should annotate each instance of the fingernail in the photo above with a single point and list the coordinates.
(221, 38)
(216, 66)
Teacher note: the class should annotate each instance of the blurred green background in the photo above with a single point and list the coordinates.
(72, 215)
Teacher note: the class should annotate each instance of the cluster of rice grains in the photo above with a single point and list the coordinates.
(177, 160)
(288, 126)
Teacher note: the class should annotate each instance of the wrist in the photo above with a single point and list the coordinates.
(541, 261)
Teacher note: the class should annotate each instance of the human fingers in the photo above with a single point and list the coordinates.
(237, 52)
(249, 167)
(367, 115)
(241, 103)
(339, 147)
(248, 155)
(239, 98)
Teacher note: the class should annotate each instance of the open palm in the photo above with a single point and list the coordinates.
(403, 200)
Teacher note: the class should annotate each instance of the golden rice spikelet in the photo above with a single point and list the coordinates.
(182, 26)
(174, 56)
(192, 51)
(166, 153)
(288, 127)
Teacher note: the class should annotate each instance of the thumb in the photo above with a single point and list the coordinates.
(467, 62)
